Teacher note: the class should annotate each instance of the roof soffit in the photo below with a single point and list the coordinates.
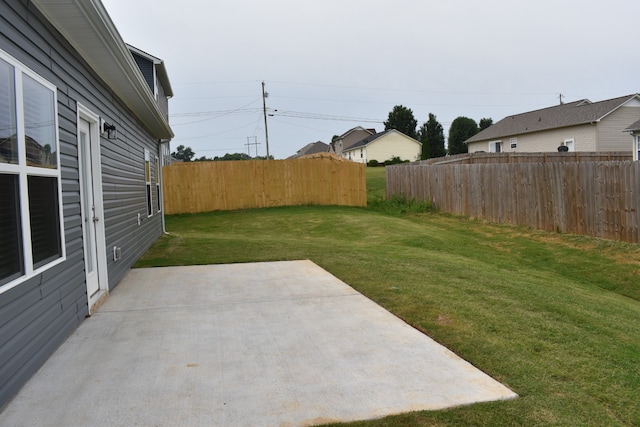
(86, 25)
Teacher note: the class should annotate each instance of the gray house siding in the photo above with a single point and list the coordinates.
(146, 67)
(36, 316)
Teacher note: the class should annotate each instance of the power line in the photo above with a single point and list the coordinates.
(316, 116)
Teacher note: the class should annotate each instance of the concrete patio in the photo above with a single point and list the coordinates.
(263, 344)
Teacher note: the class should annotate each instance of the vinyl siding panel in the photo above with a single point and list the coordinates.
(611, 135)
(146, 67)
(537, 142)
(37, 315)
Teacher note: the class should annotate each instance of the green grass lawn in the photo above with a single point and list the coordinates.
(554, 317)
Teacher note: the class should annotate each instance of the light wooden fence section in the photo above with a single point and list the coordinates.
(213, 186)
(600, 199)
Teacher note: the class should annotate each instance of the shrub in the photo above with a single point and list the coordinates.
(393, 161)
(398, 205)
(373, 163)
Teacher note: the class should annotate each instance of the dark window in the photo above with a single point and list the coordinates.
(30, 219)
(11, 265)
(147, 178)
(45, 224)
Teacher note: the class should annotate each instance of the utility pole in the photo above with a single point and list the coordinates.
(249, 144)
(264, 110)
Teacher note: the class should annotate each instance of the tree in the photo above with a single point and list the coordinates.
(183, 153)
(461, 129)
(485, 123)
(401, 119)
(234, 156)
(431, 135)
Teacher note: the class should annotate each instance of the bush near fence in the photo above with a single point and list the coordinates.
(600, 199)
(321, 179)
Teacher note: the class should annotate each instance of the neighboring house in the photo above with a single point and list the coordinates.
(634, 130)
(311, 148)
(82, 138)
(384, 146)
(347, 139)
(580, 126)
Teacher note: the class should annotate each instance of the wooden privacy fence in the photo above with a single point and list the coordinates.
(211, 186)
(576, 156)
(600, 199)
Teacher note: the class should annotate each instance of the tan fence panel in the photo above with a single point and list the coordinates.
(600, 199)
(212, 186)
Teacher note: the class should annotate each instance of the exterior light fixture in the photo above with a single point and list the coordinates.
(110, 130)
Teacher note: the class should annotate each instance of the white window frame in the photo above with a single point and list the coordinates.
(571, 143)
(513, 143)
(493, 145)
(23, 171)
(636, 148)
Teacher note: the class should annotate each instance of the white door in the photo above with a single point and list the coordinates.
(88, 207)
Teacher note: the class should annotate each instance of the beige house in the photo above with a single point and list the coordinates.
(383, 146)
(580, 126)
(347, 139)
(634, 130)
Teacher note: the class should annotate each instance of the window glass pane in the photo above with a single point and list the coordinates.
(8, 148)
(44, 216)
(11, 265)
(39, 124)
(149, 211)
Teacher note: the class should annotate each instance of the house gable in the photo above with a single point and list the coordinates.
(350, 137)
(383, 146)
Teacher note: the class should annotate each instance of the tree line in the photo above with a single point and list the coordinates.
(186, 154)
(431, 133)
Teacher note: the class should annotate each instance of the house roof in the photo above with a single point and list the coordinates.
(344, 135)
(563, 115)
(368, 140)
(88, 28)
(311, 148)
(634, 127)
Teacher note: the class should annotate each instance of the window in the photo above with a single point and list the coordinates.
(636, 151)
(571, 144)
(495, 147)
(31, 225)
(147, 179)
(158, 170)
(514, 143)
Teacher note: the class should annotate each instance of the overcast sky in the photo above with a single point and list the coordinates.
(331, 65)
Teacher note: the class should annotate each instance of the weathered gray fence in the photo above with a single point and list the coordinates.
(577, 156)
(600, 199)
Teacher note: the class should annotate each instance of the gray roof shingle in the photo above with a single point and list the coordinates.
(368, 139)
(635, 126)
(564, 115)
